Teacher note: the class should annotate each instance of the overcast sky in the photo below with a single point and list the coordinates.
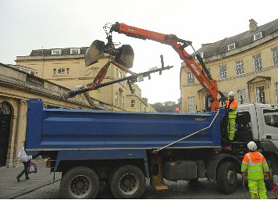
(33, 24)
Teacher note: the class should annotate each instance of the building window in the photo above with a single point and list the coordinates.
(205, 72)
(190, 78)
(123, 102)
(257, 60)
(222, 72)
(225, 94)
(231, 46)
(116, 99)
(56, 52)
(75, 51)
(117, 73)
(239, 67)
(5, 109)
(120, 98)
(276, 93)
(275, 55)
(133, 91)
(258, 36)
(241, 97)
(61, 71)
(260, 94)
(132, 103)
(191, 104)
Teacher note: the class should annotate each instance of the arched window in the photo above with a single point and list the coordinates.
(5, 108)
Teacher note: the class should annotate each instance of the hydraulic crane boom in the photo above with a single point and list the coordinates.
(178, 45)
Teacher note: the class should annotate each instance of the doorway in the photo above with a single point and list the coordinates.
(5, 127)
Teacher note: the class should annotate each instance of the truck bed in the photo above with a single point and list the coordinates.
(65, 129)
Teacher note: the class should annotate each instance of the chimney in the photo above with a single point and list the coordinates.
(253, 25)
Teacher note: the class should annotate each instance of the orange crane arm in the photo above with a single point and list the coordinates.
(178, 45)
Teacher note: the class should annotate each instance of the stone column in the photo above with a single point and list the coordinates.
(21, 125)
(18, 131)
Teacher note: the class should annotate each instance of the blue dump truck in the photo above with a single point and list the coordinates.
(125, 149)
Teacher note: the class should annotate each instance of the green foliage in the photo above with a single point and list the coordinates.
(168, 106)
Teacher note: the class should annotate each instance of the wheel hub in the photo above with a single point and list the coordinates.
(231, 177)
(80, 186)
(128, 184)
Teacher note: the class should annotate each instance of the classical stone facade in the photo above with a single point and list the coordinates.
(246, 63)
(66, 67)
(16, 87)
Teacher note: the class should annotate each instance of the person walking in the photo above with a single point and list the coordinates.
(23, 157)
(254, 167)
(231, 108)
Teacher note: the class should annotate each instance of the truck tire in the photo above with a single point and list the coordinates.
(269, 182)
(79, 183)
(127, 182)
(227, 178)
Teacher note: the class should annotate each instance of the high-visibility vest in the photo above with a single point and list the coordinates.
(233, 108)
(255, 165)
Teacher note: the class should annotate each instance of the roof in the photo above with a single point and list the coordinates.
(64, 51)
(242, 39)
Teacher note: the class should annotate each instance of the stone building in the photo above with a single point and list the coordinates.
(246, 63)
(16, 87)
(66, 67)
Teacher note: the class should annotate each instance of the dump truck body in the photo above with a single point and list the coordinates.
(61, 129)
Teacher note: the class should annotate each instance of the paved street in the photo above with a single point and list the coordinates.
(10, 188)
(202, 190)
(41, 186)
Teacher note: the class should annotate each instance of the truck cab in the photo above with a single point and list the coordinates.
(259, 122)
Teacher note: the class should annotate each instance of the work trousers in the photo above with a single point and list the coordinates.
(231, 128)
(257, 188)
(25, 170)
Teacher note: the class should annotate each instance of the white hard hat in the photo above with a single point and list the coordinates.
(231, 94)
(252, 146)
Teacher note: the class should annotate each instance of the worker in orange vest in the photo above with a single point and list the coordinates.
(256, 167)
(231, 108)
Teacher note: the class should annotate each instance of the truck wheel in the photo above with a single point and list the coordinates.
(227, 178)
(269, 182)
(79, 183)
(128, 182)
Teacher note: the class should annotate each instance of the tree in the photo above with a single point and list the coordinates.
(167, 106)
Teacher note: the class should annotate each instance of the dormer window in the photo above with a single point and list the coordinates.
(258, 36)
(231, 46)
(75, 51)
(201, 55)
(56, 52)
